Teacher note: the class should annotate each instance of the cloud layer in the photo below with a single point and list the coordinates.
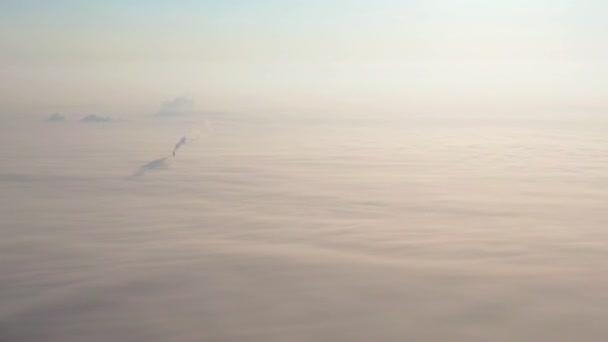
(426, 232)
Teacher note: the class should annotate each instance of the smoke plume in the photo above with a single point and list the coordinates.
(158, 164)
(179, 144)
(153, 165)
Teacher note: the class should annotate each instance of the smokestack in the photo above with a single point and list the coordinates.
(179, 144)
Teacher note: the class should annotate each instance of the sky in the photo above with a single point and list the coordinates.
(332, 57)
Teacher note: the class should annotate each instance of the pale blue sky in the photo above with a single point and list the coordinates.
(346, 57)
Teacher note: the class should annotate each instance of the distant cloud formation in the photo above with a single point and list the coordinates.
(95, 118)
(56, 118)
(176, 107)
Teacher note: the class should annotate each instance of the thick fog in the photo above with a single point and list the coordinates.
(288, 231)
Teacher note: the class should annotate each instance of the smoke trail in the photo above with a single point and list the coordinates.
(161, 163)
(179, 144)
(153, 165)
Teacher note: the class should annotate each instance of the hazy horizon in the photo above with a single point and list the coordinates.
(347, 58)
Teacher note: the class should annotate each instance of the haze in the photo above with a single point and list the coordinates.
(303, 171)
(286, 57)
